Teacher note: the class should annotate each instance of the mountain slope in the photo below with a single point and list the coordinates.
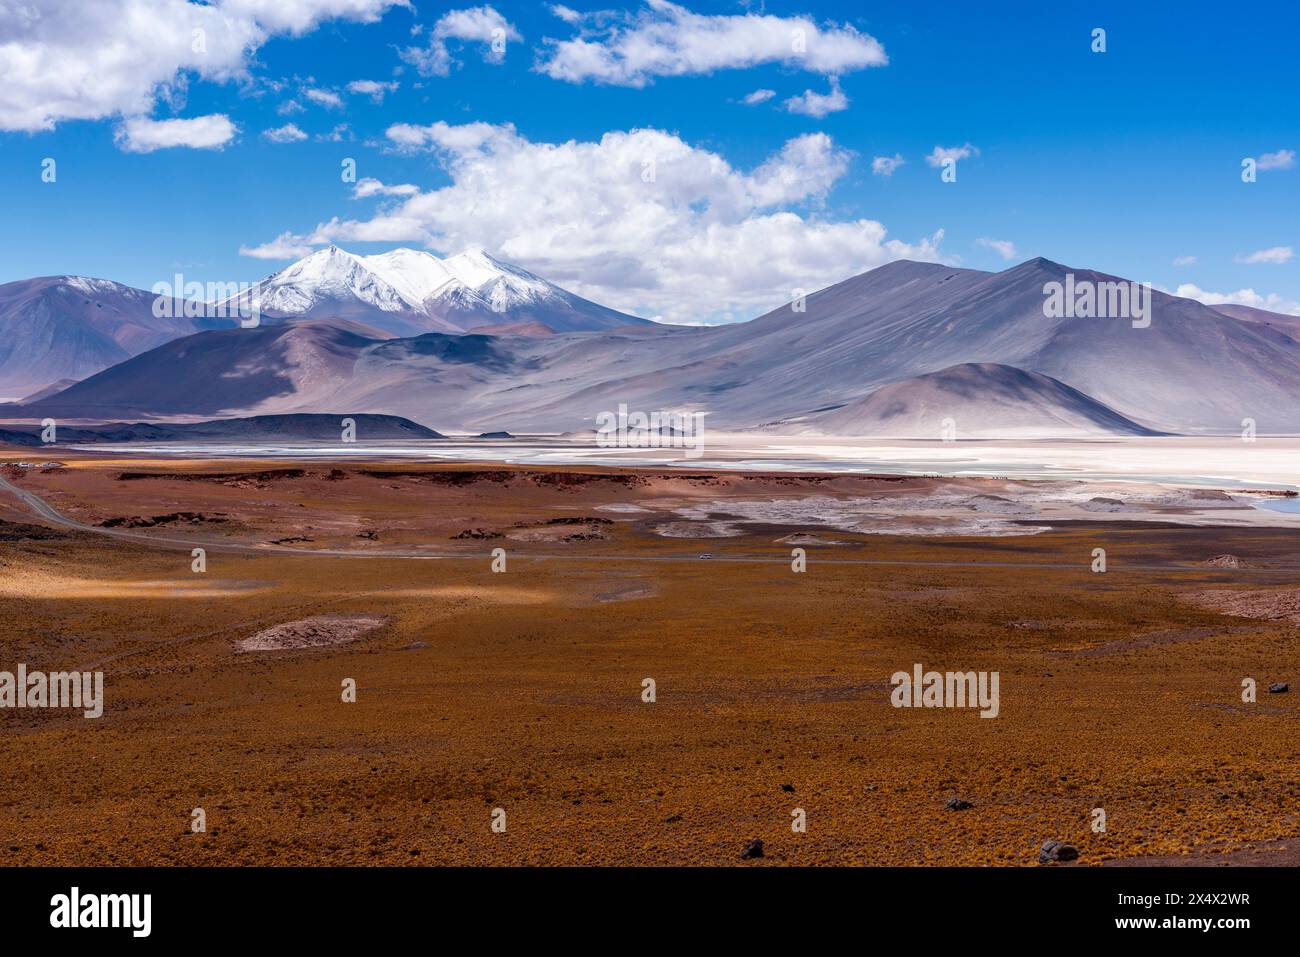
(220, 373)
(69, 327)
(975, 400)
(1288, 324)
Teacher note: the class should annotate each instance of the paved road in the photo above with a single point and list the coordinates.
(44, 510)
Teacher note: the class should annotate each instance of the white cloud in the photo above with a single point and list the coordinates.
(1003, 247)
(325, 98)
(1242, 297)
(1184, 261)
(665, 39)
(811, 103)
(372, 88)
(290, 107)
(1275, 255)
(472, 25)
(297, 17)
(289, 133)
(1282, 159)
(885, 165)
(567, 14)
(370, 186)
(141, 135)
(758, 96)
(75, 60)
(336, 135)
(941, 154)
(284, 246)
(640, 220)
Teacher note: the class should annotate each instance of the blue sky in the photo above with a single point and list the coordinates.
(1126, 161)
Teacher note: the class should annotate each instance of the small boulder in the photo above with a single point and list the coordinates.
(1056, 851)
(752, 850)
(1280, 688)
(958, 804)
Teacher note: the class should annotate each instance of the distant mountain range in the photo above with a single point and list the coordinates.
(889, 352)
(261, 428)
(68, 327)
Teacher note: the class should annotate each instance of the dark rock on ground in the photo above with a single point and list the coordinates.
(1056, 851)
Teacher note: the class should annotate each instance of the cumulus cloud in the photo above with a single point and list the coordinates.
(1184, 261)
(370, 186)
(473, 25)
(325, 98)
(284, 246)
(297, 17)
(567, 14)
(372, 88)
(757, 97)
(142, 135)
(1242, 297)
(77, 60)
(1003, 247)
(1275, 255)
(885, 165)
(1282, 159)
(289, 133)
(665, 39)
(641, 220)
(941, 154)
(811, 103)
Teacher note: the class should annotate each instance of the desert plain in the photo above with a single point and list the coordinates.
(523, 690)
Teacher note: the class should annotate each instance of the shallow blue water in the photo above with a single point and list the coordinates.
(1280, 504)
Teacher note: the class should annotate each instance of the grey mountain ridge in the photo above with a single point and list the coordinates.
(1194, 369)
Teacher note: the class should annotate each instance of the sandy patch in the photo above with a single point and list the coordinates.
(1275, 604)
(315, 632)
(1227, 561)
(804, 538)
(698, 530)
(42, 584)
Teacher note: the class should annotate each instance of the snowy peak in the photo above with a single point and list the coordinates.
(328, 274)
(417, 275)
(408, 291)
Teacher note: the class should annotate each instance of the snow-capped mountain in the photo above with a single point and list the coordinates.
(409, 292)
